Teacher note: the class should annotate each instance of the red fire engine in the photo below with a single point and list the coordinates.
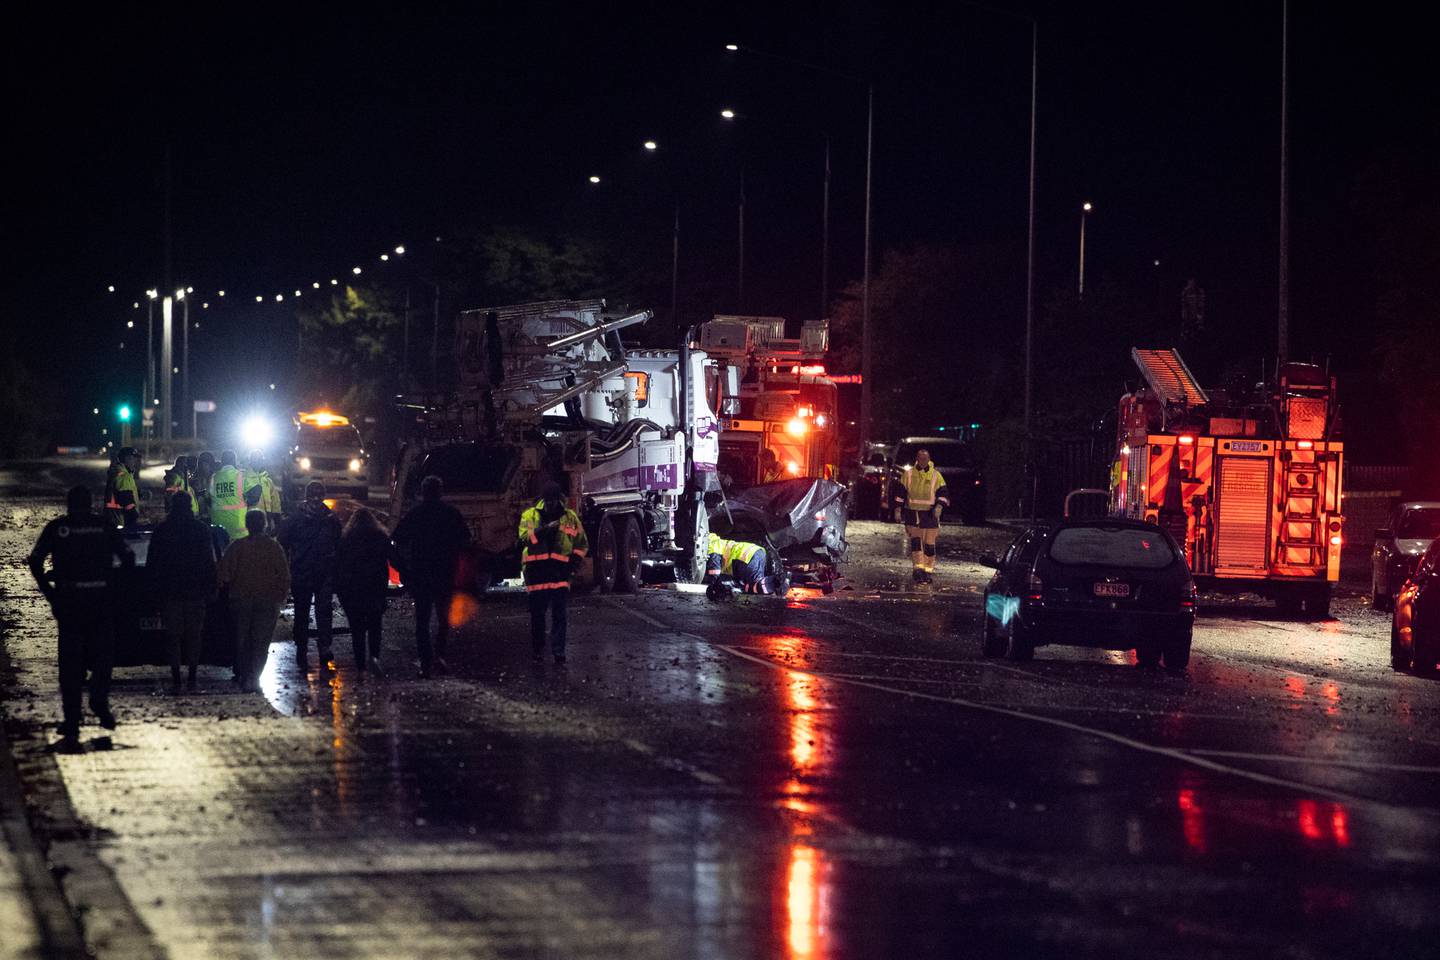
(1247, 480)
(786, 405)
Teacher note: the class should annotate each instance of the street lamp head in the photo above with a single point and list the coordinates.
(221, 293)
(179, 294)
(1087, 207)
(355, 270)
(732, 47)
(111, 288)
(152, 294)
(594, 179)
(728, 114)
(384, 258)
(400, 250)
(650, 145)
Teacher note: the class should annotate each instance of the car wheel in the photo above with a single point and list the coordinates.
(1399, 656)
(1177, 652)
(1019, 646)
(991, 643)
(607, 557)
(628, 571)
(1147, 654)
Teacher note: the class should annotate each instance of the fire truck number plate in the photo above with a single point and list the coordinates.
(1246, 446)
(1112, 589)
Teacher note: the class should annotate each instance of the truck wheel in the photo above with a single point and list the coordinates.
(607, 557)
(1317, 601)
(628, 575)
(692, 570)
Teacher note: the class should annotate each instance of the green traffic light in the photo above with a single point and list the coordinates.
(125, 412)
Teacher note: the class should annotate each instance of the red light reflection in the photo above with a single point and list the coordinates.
(807, 904)
(1192, 820)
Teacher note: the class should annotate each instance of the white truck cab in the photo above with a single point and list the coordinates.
(327, 447)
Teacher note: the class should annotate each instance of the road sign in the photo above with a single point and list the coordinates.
(204, 406)
(148, 414)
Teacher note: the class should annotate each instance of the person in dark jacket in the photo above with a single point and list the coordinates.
(362, 574)
(181, 565)
(310, 538)
(256, 575)
(429, 539)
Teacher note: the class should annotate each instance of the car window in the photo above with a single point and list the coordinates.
(1112, 546)
(335, 436)
(1423, 524)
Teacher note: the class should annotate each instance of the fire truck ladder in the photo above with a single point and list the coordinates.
(1168, 377)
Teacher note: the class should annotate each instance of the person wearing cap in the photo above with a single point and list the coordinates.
(553, 543)
(311, 536)
(82, 548)
(428, 541)
(122, 492)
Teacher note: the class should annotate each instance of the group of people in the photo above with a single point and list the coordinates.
(193, 561)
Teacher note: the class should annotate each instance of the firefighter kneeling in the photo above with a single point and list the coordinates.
(922, 496)
(744, 563)
(554, 541)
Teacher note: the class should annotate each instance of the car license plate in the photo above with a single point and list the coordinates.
(1112, 589)
(151, 623)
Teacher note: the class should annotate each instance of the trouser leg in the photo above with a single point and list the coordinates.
(174, 614)
(377, 626)
(539, 603)
(70, 657)
(559, 619)
(928, 539)
(442, 622)
(424, 603)
(263, 617)
(917, 555)
(100, 648)
(240, 614)
(325, 618)
(194, 628)
(303, 594)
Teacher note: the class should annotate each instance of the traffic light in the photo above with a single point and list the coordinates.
(124, 413)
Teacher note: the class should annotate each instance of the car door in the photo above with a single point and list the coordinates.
(1425, 603)
(1015, 570)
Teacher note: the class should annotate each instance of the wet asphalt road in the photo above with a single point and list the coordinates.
(812, 777)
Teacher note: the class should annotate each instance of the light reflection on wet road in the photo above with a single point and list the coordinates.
(818, 778)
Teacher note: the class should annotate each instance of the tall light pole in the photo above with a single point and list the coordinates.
(167, 361)
(149, 397)
(866, 383)
(185, 403)
(1085, 209)
(1283, 313)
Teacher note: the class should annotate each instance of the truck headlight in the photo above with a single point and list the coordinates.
(303, 463)
(356, 466)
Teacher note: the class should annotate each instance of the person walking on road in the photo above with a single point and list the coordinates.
(256, 574)
(428, 540)
(310, 536)
(267, 500)
(922, 496)
(202, 469)
(554, 542)
(362, 574)
(181, 566)
(122, 490)
(82, 548)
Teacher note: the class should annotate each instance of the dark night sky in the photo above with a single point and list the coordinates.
(309, 139)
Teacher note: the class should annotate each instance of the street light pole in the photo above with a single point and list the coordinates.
(825, 238)
(740, 275)
(1283, 327)
(866, 381)
(185, 360)
(1084, 212)
(675, 271)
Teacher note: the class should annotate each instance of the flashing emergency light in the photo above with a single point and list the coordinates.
(324, 418)
(123, 413)
(1186, 440)
(1306, 444)
(256, 432)
(797, 427)
(792, 468)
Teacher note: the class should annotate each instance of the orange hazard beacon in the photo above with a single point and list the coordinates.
(1247, 480)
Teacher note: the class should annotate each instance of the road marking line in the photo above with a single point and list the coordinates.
(1140, 746)
(1287, 758)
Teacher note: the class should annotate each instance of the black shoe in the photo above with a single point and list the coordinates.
(538, 656)
(302, 660)
(68, 730)
(917, 576)
(68, 744)
(106, 718)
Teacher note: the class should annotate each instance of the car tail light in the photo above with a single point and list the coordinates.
(1191, 593)
(1036, 587)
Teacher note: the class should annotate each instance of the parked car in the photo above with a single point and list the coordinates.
(1415, 624)
(1399, 545)
(139, 627)
(867, 490)
(1113, 584)
(957, 463)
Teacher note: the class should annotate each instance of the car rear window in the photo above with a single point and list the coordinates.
(1419, 525)
(1112, 547)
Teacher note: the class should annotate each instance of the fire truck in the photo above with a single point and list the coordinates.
(785, 402)
(1248, 480)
